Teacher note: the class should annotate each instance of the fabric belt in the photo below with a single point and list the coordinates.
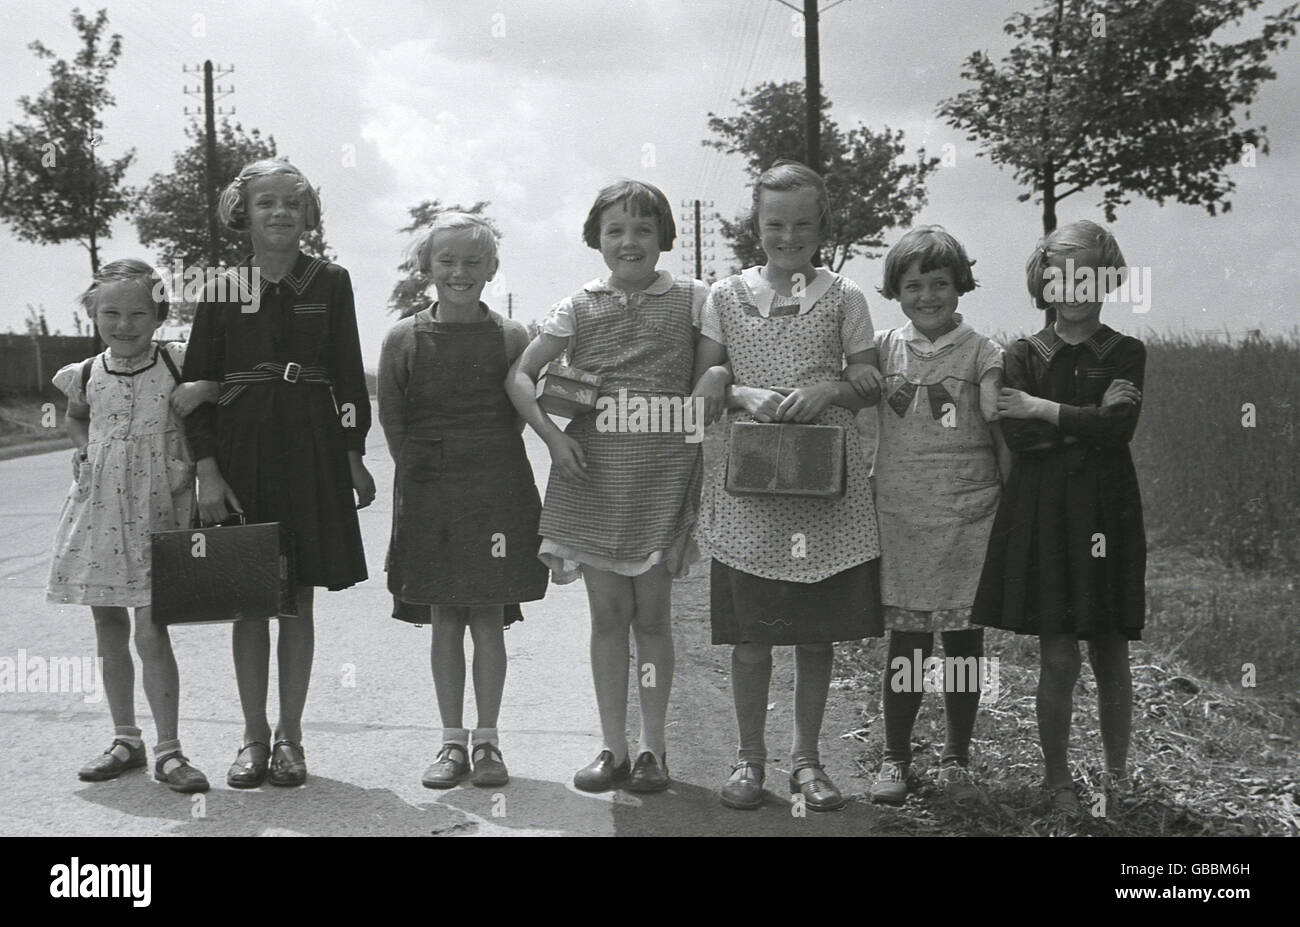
(270, 372)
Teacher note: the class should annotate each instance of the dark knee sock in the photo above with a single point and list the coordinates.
(901, 707)
(961, 700)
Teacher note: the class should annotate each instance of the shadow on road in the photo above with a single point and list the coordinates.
(324, 807)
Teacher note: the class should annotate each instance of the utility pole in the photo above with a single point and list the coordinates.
(812, 79)
(812, 85)
(210, 113)
(699, 245)
(510, 305)
(693, 223)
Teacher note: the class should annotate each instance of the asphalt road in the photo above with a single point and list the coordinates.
(371, 724)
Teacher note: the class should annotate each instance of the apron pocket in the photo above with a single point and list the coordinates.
(422, 459)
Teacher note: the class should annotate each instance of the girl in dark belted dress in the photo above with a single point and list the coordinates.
(465, 508)
(1067, 555)
(285, 441)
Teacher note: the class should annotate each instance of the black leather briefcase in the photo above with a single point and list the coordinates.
(223, 573)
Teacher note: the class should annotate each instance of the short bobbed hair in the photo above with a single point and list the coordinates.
(791, 175)
(127, 270)
(420, 255)
(936, 250)
(1075, 238)
(640, 199)
(232, 206)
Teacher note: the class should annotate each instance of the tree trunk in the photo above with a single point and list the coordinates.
(1048, 174)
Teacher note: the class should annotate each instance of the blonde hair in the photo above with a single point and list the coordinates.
(1072, 239)
(420, 253)
(127, 270)
(791, 175)
(232, 206)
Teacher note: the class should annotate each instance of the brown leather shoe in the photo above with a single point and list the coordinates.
(250, 766)
(451, 766)
(182, 778)
(649, 773)
(601, 774)
(108, 765)
(744, 789)
(489, 767)
(288, 764)
(819, 793)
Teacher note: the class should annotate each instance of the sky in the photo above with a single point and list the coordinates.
(533, 105)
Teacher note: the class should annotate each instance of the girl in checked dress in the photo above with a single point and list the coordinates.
(621, 503)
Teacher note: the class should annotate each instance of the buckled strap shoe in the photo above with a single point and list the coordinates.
(819, 793)
(250, 766)
(446, 772)
(744, 788)
(288, 764)
(183, 777)
(109, 765)
(489, 767)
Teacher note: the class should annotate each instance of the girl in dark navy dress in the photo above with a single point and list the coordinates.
(1067, 556)
(465, 508)
(285, 440)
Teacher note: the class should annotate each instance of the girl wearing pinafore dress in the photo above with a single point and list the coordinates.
(463, 553)
(463, 487)
(937, 487)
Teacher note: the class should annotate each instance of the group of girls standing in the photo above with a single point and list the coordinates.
(993, 473)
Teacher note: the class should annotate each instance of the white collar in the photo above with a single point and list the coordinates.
(924, 346)
(764, 295)
(663, 282)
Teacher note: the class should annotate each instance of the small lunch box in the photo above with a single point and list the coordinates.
(567, 391)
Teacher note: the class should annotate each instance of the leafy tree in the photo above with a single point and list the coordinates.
(1131, 98)
(56, 187)
(411, 292)
(171, 211)
(871, 188)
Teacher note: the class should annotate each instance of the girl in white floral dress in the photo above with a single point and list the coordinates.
(134, 476)
(788, 570)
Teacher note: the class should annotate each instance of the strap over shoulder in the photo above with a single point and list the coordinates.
(167, 359)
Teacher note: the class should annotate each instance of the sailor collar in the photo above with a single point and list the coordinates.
(299, 277)
(922, 345)
(764, 295)
(1101, 342)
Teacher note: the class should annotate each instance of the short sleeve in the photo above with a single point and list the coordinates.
(990, 357)
(711, 312)
(856, 331)
(68, 382)
(559, 321)
(699, 296)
